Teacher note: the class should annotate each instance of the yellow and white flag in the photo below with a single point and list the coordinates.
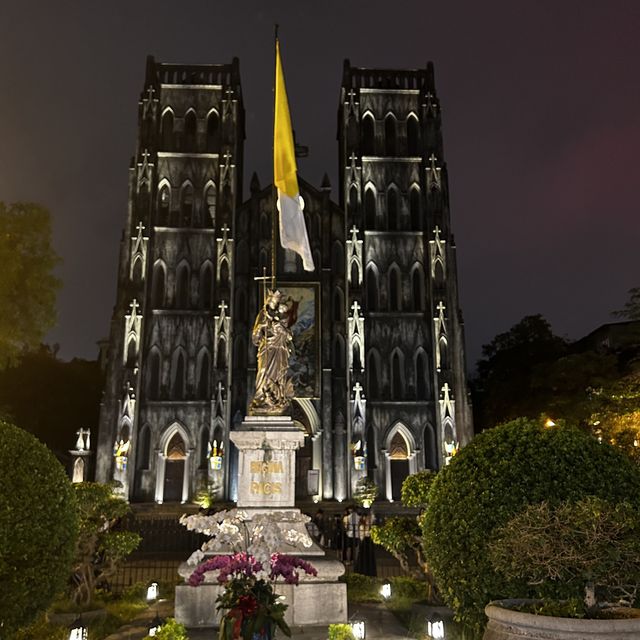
(293, 232)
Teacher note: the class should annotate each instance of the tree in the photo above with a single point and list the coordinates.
(401, 535)
(497, 475)
(592, 544)
(507, 368)
(68, 396)
(100, 547)
(631, 309)
(27, 284)
(38, 528)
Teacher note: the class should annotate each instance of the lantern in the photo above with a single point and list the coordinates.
(77, 630)
(152, 591)
(154, 627)
(385, 591)
(435, 628)
(357, 628)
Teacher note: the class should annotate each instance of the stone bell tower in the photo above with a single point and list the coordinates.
(408, 404)
(164, 420)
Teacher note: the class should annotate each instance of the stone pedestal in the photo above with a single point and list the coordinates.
(266, 483)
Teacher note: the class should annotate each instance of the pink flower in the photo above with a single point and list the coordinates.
(285, 567)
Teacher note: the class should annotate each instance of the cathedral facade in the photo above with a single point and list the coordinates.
(378, 364)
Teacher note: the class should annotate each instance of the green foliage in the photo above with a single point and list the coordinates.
(591, 544)
(400, 536)
(268, 609)
(27, 284)
(366, 492)
(361, 588)
(508, 367)
(38, 527)
(341, 632)
(407, 587)
(415, 489)
(493, 478)
(68, 396)
(631, 309)
(100, 548)
(172, 630)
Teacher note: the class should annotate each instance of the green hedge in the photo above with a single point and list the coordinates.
(38, 527)
(494, 477)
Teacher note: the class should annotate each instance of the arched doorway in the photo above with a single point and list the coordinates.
(400, 460)
(175, 461)
(172, 473)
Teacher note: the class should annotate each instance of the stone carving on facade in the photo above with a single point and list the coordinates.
(434, 179)
(437, 252)
(356, 335)
(354, 255)
(431, 105)
(221, 331)
(138, 250)
(272, 336)
(229, 99)
(225, 170)
(150, 103)
(132, 321)
(440, 333)
(225, 252)
(145, 172)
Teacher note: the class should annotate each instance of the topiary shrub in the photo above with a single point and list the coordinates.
(495, 477)
(38, 527)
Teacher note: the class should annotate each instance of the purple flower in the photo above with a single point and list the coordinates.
(236, 564)
(285, 567)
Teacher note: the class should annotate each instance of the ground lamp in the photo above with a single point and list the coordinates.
(152, 591)
(357, 628)
(154, 627)
(77, 630)
(435, 627)
(385, 591)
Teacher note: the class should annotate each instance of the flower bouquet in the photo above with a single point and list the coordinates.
(253, 609)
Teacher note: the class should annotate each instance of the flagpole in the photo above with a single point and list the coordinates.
(274, 191)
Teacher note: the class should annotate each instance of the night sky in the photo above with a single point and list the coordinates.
(541, 113)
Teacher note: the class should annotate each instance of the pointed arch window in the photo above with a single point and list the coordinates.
(338, 305)
(373, 374)
(390, 126)
(131, 353)
(158, 286)
(372, 289)
(371, 449)
(153, 374)
(239, 350)
(368, 135)
(204, 448)
(444, 353)
(224, 274)
(393, 216)
(137, 271)
(167, 130)
(222, 355)
(422, 385)
(338, 353)
(182, 286)
(144, 449)
(412, 136)
(357, 357)
(205, 293)
(240, 310)
(190, 129)
(213, 132)
(353, 200)
(395, 293)
(186, 204)
(164, 205)
(397, 377)
(414, 209)
(209, 205)
(417, 289)
(370, 208)
(204, 366)
(178, 368)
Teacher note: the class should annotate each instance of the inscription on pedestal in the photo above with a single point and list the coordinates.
(266, 462)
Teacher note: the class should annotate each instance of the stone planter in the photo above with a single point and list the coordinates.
(507, 624)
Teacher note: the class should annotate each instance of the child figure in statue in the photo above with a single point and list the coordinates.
(272, 336)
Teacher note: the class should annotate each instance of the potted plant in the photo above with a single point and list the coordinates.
(590, 547)
(252, 609)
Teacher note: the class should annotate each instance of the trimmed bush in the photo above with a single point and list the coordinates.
(495, 477)
(38, 527)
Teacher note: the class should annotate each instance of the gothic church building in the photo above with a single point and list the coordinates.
(379, 367)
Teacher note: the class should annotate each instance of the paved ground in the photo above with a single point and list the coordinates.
(380, 623)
